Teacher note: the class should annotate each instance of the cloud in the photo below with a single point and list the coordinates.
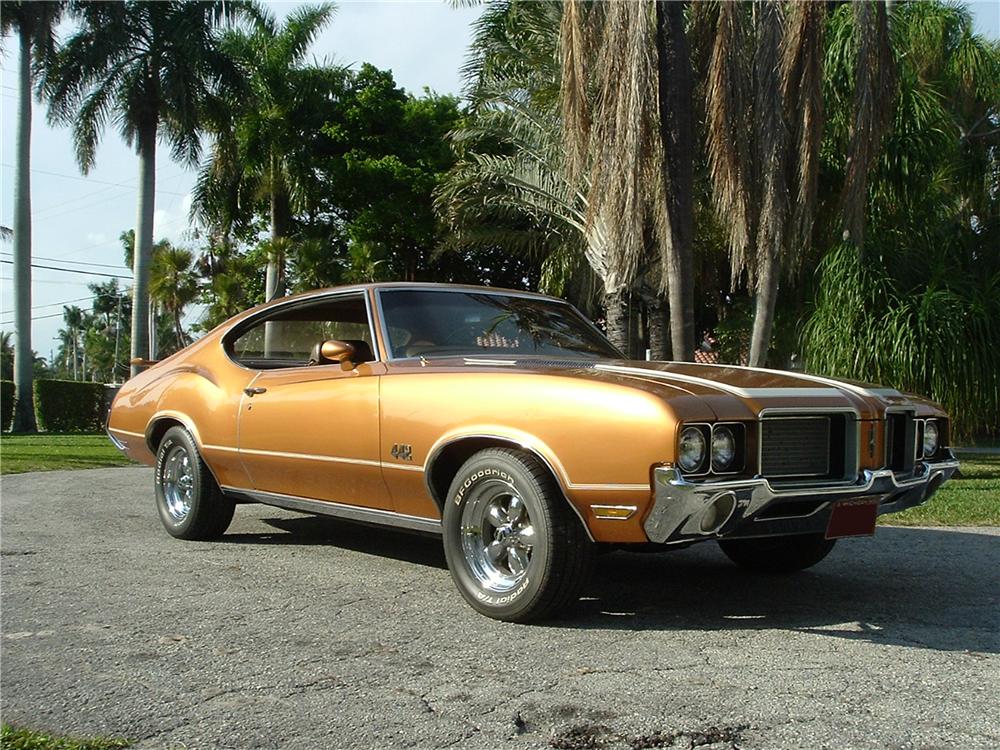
(171, 223)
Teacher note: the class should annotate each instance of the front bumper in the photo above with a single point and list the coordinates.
(685, 511)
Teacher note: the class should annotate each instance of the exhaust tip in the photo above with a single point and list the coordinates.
(717, 512)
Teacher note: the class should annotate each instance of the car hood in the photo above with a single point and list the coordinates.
(731, 391)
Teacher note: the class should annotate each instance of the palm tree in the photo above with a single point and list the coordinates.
(35, 24)
(765, 119)
(173, 285)
(149, 67)
(73, 317)
(258, 142)
(627, 120)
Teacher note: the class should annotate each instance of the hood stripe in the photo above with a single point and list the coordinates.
(724, 387)
(838, 384)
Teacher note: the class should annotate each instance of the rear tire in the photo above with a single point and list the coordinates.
(188, 500)
(515, 549)
(778, 554)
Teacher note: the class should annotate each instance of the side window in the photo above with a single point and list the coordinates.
(287, 338)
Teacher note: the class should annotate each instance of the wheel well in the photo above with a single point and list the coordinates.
(158, 430)
(449, 460)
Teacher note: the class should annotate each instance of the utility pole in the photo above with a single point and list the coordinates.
(118, 328)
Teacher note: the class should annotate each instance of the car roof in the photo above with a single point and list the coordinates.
(415, 285)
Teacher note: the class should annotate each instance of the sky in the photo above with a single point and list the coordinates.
(77, 219)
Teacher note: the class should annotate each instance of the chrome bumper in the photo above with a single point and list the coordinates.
(686, 511)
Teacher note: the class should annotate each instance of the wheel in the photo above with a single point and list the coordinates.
(778, 554)
(190, 503)
(516, 550)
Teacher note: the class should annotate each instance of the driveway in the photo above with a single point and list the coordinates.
(297, 632)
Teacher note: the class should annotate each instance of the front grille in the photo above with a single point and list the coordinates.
(900, 441)
(795, 447)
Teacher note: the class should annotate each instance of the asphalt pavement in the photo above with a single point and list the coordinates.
(299, 632)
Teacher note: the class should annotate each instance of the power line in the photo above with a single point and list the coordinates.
(39, 317)
(74, 270)
(55, 315)
(73, 262)
(95, 181)
(57, 304)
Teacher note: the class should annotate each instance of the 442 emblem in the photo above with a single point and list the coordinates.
(402, 452)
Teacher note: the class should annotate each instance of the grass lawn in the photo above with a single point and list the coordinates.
(20, 453)
(972, 499)
(15, 738)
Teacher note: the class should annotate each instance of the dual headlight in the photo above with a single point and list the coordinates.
(701, 444)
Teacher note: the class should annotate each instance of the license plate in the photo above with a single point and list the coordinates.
(852, 518)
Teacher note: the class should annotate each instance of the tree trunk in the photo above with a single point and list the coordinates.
(677, 133)
(24, 410)
(76, 355)
(178, 328)
(657, 323)
(616, 312)
(274, 286)
(766, 302)
(143, 257)
(274, 281)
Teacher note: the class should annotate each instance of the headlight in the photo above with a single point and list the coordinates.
(723, 448)
(692, 449)
(930, 437)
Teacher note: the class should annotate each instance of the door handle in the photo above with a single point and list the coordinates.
(254, 391)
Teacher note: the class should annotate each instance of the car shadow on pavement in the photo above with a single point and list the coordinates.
(372, 540)
(922, 588)
(916, 587)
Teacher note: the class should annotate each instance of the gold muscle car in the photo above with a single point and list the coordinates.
(506, 423)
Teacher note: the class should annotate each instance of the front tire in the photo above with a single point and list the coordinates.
(189, 502)
(515, 549)
(778, 554)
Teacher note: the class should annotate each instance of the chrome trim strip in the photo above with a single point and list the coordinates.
(312, 457)
(339, 510)
(115, 441)
(403, 467)
(606, 487)
(596, 510)
(127, 432)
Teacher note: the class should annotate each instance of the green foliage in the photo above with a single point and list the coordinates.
(971, 498)
(932, 331)
(69, 406)
(6, 403)
(18, 738)
(919, 307)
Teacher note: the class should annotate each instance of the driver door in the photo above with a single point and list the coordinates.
(311, 430)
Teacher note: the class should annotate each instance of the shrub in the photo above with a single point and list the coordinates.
(69, 406)
(6, 403)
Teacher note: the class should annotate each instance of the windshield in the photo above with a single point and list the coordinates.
(431, 323)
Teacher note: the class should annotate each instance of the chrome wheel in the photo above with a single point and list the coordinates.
(498, 537)
(177, 478)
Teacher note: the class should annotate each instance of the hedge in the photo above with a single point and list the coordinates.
(69, 406)
(6, 403)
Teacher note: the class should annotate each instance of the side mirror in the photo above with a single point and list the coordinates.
(338, 351)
